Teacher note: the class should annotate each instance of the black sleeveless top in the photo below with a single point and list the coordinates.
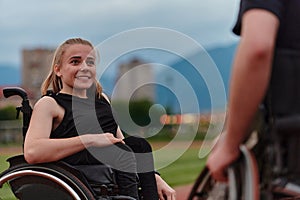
(82, 116)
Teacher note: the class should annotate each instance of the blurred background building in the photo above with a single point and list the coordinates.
(131, 77)
(36, 65)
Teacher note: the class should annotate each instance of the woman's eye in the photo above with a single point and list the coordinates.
(90, 62)
(75, 62)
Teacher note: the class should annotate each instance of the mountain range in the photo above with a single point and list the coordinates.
(198, 82)
(9, 75)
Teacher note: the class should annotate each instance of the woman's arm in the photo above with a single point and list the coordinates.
(38, 147)
(120, 134)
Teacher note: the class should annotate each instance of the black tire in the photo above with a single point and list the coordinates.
(37, 182)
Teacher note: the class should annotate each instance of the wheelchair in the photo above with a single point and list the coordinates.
(264, 169)
(55, 180)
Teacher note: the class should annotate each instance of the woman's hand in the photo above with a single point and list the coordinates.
(164, 190)
(100, 140)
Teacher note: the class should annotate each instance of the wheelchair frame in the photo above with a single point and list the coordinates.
(258, 173)
(243, 181)
(55, 180)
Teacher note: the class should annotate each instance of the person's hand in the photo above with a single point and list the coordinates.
(100, 140)
(220, 159)
(164, 190)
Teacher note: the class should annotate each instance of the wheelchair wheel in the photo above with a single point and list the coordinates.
(242, 183)
(44, 181)
(205, 188)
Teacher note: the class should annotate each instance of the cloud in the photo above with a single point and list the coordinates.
(33, 23)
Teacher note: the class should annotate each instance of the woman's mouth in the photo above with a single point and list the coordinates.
(83, 77)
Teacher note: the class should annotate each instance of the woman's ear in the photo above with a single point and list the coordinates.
(57, 70)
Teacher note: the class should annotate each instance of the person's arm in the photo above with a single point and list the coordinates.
(119, 133)
(38, 147)
(250, 78)
(164, 190)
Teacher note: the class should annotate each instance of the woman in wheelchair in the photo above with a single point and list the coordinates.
(74, 123)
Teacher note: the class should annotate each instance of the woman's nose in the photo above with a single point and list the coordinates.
(83, 66)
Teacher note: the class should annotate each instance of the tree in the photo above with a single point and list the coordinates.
(8, 113)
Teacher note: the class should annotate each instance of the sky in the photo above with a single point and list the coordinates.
(46, 24)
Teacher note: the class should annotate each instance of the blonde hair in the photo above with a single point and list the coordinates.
(55, 81)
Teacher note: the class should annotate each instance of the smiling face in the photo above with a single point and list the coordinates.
(77, 69)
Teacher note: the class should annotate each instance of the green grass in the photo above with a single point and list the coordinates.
(3, 163)
(183, 170)
(5, 192)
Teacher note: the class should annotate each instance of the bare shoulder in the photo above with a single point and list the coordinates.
(45, 101)
(47, 105)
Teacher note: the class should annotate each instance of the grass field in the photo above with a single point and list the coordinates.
(182, 171)
(5, 192)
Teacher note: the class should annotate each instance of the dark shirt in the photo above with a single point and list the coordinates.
(83, 116)
(287, 12)
(283, 94)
